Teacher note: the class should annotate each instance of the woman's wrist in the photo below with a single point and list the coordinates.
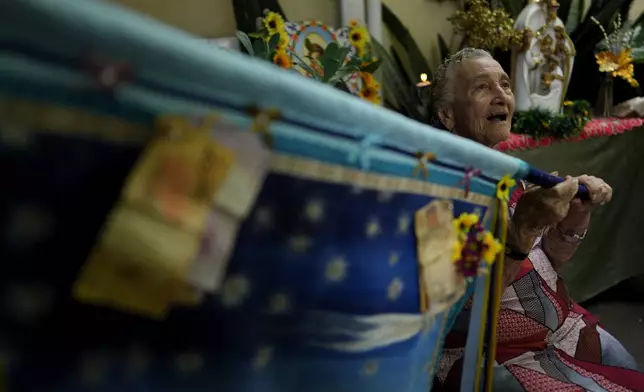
(574, 223)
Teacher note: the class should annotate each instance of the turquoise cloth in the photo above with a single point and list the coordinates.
(360, 331)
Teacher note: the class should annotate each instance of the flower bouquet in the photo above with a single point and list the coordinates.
(335, 64)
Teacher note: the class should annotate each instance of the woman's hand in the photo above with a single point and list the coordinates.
(561, 243)
(538, 209)
(599, 191)
(578, 215)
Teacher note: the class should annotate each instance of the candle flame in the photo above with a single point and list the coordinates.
(423, 77)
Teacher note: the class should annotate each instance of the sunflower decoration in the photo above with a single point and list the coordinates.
(348, 63)
(475, 248)
(273, 23)
(370, 90)
(359, 38)
(615, 55)
(282, 59)
(503, 188)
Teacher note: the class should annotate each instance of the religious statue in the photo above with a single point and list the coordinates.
(543, 63)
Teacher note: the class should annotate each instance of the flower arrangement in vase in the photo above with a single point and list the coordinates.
(614, 59)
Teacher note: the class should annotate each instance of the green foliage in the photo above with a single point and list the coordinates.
(564, 10)
(417, 61)
(258, 46)
(539, 123)
(400, 94)
(334, 61)
(575, 15)
(335, 65)
(586, 79)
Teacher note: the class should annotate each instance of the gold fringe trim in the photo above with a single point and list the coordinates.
(48, 118)
(336, 174)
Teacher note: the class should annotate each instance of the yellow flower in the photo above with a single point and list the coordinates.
(273, 23)
(503, 187)
(567, 103)
(492, 247)
(359, 37)
(367, 79)
(282, 59)
(371, 93)
(627, 74)
(619, 65)
(465, 222)
(457, 251)
(283, 42)
(353, 23)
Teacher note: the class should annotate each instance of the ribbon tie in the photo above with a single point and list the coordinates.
(262, 122)
(359, 154)
(108, 75)
(465, 182)
(423, 163)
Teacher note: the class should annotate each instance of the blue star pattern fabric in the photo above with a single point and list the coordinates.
(321, 292)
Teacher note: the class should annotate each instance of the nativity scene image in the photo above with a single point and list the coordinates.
(341, 57)
(310, 39)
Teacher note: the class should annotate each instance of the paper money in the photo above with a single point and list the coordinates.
(435, 239)
(154, 233)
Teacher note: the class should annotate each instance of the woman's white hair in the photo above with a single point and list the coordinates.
(442, 93)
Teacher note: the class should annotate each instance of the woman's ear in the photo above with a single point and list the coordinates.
(447, 118)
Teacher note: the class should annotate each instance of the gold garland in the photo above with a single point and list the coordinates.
(486, 28)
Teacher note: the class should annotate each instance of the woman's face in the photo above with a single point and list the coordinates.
(483, 102)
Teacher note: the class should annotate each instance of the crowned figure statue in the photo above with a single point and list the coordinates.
(543, 63)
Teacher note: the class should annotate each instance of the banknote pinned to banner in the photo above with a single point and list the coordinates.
(171, 234)
(435, 237)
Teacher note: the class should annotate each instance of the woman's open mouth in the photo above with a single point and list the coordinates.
(498, 118)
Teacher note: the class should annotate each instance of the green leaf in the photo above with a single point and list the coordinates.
(417, 61)
(396, 89)
(340, 75)
(575, 15)
(443, 49)
(371, 67)
(638, 55)
(332, 59)
(272, 42)
(329, 61)
(259, 48)
(587, 34)
(306, 67)
(259, 34)
(267, 52)
(330, 68)
(245, 42)
(342, 53)
(564, 10)
(354, 62)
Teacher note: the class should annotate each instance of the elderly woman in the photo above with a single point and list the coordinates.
(546, 341)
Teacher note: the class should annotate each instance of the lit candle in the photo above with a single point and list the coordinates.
(423, 81)
(420, 87)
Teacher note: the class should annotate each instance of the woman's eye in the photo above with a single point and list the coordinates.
(505, 84)
(481, 86)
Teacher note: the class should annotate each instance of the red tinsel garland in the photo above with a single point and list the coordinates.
(595, 128)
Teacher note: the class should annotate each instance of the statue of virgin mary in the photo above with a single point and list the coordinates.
(543, 64)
